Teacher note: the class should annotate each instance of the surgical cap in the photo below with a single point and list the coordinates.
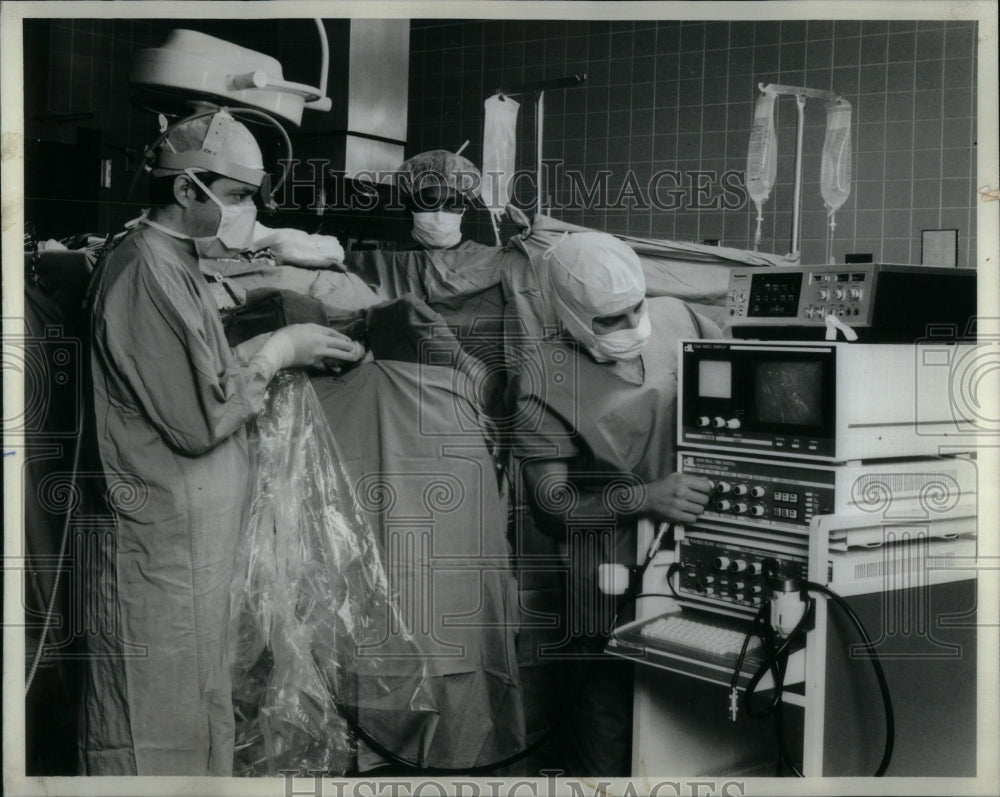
(438, 167)
(592, 274)
(216, 143)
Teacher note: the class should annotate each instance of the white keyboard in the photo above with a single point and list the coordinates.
(687, 633)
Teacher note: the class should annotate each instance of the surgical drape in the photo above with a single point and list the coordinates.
(413, 447)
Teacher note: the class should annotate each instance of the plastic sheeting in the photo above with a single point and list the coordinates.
(314, 621)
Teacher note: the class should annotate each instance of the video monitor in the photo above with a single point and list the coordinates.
(789, 392)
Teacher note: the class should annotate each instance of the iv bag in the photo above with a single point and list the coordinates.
(499, 149)
(835, 171)
(762, 158)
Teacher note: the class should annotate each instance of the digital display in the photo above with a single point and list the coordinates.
(775, 295)
(789, 392)
(715, 379)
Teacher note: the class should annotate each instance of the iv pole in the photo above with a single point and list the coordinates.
(539, 88)
(800, 94)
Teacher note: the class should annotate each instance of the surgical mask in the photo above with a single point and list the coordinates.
(622, 344)
(236, 225)
(437, 229)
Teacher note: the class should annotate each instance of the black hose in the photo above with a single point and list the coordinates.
(890, 722)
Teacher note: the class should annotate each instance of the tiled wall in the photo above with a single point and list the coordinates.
(76, 78)
(81, 66)
(679, 96)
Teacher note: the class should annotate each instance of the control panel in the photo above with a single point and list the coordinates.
(882, 303)
(764, 493)
(723, 572)
(808, 294)
(775, 494)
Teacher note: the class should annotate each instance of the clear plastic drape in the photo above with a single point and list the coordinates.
(310, 600)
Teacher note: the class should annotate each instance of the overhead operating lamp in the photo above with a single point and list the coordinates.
(192, 67)
(193, 74)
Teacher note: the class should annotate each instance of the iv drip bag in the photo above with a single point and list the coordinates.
(499, 149)
(762, 158)
(835, 171)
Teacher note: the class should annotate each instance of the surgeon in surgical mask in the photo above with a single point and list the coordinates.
(593, 411)
(599, 293)
(171, 405)
(436, 186)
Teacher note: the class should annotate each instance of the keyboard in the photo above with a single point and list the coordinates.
(706, 637)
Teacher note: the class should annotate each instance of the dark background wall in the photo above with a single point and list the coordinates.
(679, 95)
(659, 95)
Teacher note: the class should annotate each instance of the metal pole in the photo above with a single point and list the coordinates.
(800, 102)
(539, 141)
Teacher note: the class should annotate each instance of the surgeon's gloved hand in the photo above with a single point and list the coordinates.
(298, 248)
(310, 346)
(678, 498)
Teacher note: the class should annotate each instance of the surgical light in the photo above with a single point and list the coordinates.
(193, 67)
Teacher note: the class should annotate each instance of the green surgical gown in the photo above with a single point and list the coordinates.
(171, 401)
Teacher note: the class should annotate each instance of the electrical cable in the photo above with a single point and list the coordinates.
(490, 767)
(758, 618)
(774, 661)
(890, 723)
(50, 610)
(630, 597)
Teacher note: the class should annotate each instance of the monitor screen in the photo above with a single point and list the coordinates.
(775, 295)
(715, 379)
(789, 392)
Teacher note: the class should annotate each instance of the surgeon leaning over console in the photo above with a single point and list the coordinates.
(171, 401)
(594, 414)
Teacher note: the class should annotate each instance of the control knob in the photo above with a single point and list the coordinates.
(757, 491)
(721, 562)
(703, 420)
(740, 489)
(853, 293)
(757, 510)
(718, 422)
(824, 294)
(838, 293)
(723, 487)
(733, 423)
(740, 507)
(738, 566)
(723, 505)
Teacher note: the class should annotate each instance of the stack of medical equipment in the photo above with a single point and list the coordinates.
(838, 468)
